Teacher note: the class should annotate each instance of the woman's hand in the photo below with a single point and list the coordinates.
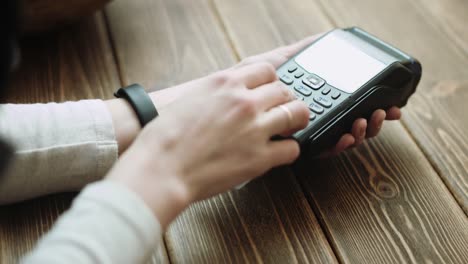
(215, 137)
(361, 128)
(127, 127)
(214, 133)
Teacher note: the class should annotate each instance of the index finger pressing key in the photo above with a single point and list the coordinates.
(255, 75)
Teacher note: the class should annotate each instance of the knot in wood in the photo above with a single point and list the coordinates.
(386, 190)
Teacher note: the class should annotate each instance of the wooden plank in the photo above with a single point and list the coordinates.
(270, 220)
(436, 115)
(259, 26)
(161, 43)
(449, 17)
(72, 64)
(21, 225)
(382, 202)
(267, 221)
(75, 63)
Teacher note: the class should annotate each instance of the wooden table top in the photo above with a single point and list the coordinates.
(401, 197)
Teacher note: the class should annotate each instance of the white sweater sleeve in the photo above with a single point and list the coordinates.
(107, 223)
(59, 147)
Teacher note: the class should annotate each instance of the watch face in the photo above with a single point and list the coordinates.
(339, 63)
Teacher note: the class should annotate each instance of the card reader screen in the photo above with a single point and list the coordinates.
(341, 64)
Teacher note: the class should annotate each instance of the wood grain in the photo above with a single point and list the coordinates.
(449, 96)
(259, 26)
(75, 63)
(268, 221)
(449, 17)
(21, 225)
(436, 116)
(382, 203)
(38, 16)
(72, 64)
(161, 43)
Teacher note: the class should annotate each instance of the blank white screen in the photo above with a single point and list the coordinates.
(339, 63)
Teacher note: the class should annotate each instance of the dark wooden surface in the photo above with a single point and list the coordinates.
(400, 198)
(432, 32)
(384, 191)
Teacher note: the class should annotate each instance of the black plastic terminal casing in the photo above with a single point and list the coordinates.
(391, 87)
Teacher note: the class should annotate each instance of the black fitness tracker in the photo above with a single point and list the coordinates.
(140, 101)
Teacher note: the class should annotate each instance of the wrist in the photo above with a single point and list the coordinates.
(159, 187)
(171, 200)
(164, 97)
(161, 98)
(166, 199)
(125, 122)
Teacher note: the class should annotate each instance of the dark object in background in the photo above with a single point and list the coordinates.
(45, 15)
(8, 25)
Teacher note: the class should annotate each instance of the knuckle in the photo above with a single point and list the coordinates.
(285, 93)
(254, 169)
(272, 159)
(290, 154)
(302, 112)
(264, 160)
(268, 68)
(222, 78)
(294, 151)
(253, 161)
(232, 80)
(170, 138)
(246, 105)
(226, 79)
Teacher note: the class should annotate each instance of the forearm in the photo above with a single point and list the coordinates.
(58, 147)
(107, 223)
(63, 147)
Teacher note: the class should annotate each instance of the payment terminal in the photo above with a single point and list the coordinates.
(344, 75)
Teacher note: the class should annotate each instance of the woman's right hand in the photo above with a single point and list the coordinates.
(214, 138)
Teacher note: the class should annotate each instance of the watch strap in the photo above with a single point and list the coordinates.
(140, 101)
